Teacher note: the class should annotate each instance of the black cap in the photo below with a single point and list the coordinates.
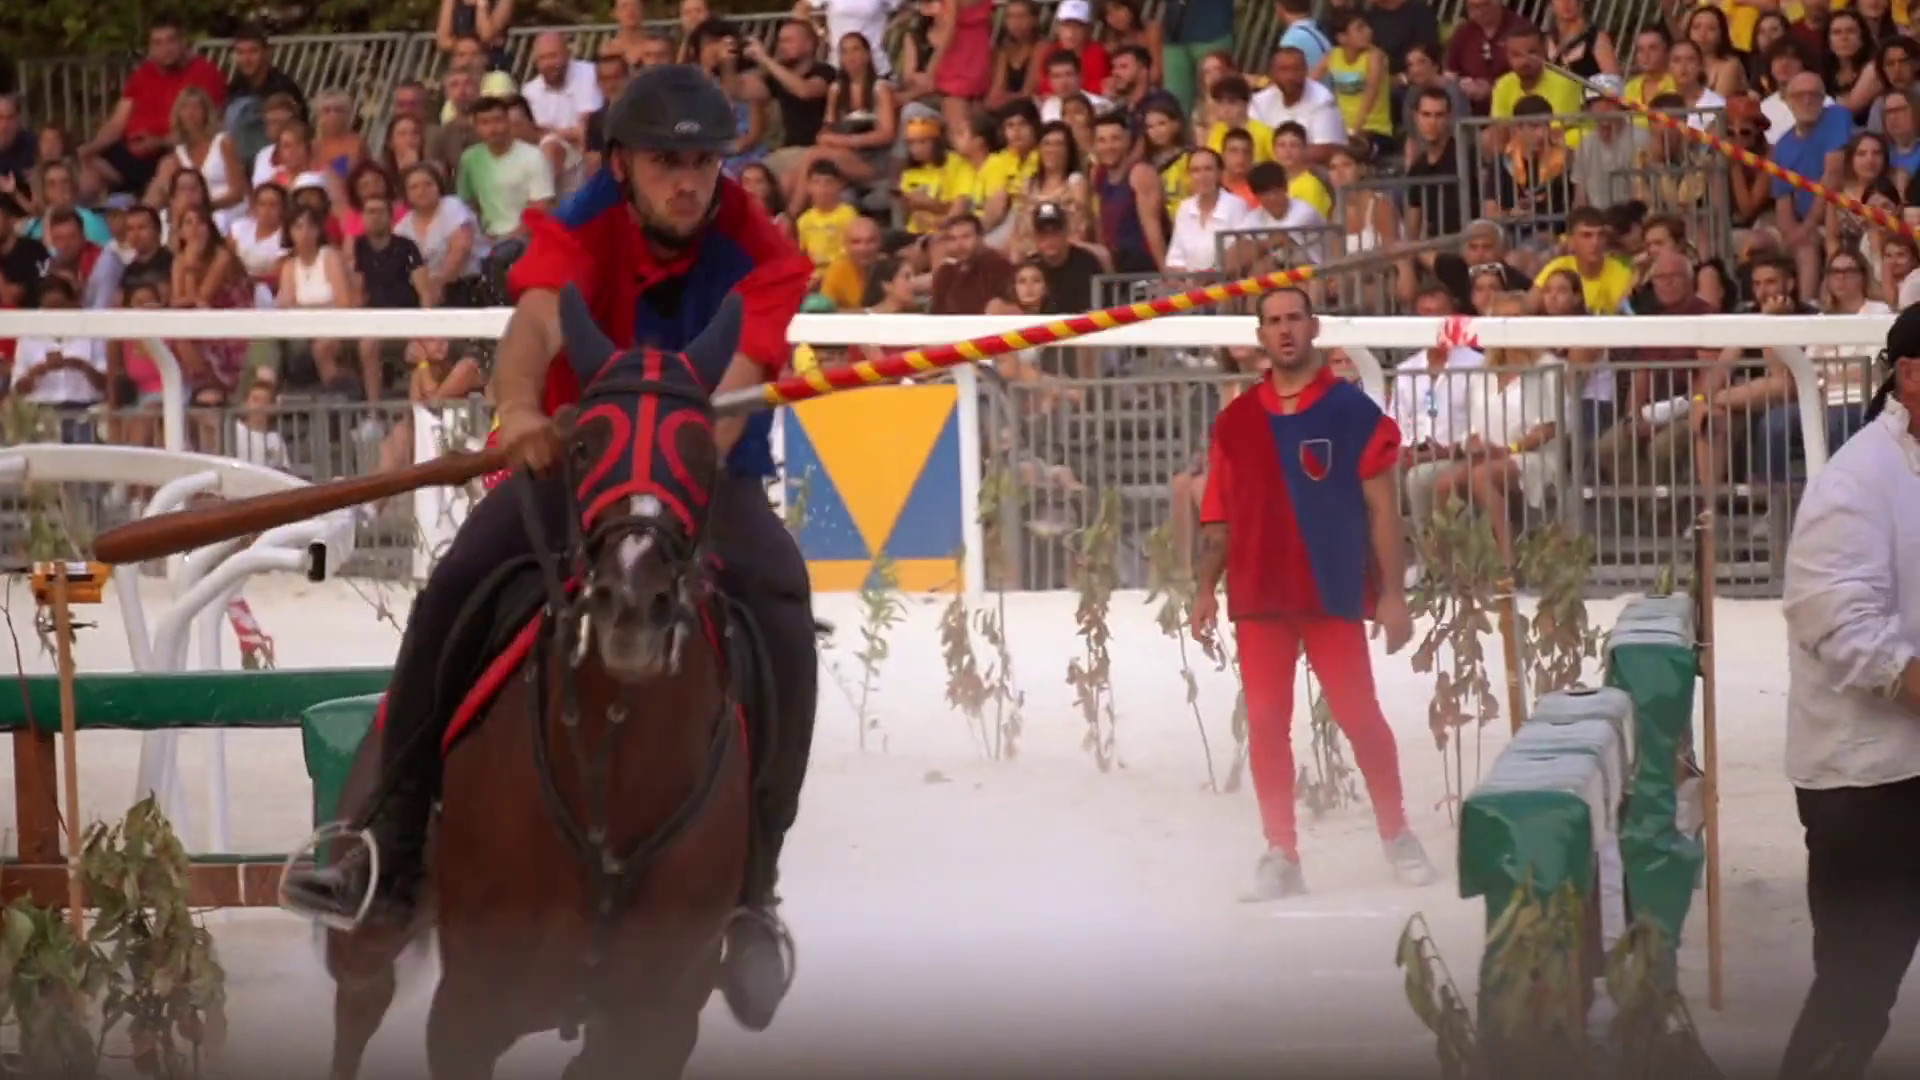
(671, 107)
(1049, 215)
(1903, 343)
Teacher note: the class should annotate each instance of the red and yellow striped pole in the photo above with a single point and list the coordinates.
(903, 365)
(1752, 160)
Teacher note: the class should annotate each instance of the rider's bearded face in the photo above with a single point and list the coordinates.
(672, 191)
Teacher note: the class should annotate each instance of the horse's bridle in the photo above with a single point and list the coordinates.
(614, 876)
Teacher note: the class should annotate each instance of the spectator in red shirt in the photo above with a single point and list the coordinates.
(1072, 35)
(127, 149)
(1476, 57)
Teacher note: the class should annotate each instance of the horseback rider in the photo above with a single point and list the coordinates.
(655, 241)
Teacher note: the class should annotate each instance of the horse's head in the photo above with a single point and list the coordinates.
(644, 461)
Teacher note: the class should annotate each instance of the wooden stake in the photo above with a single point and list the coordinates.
(69, 730)
(1510, 649)
(1705, 576)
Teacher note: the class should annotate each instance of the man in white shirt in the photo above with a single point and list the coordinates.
(560, 98)
(1279, 226)
(68, 375)
(1432, 394)
(1063, 75)
(1291, 97)
(1852, 608)
(868, 18)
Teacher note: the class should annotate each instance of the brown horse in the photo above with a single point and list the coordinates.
(594, 820)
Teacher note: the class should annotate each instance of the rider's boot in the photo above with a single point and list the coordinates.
(409, 769)
(336, 892)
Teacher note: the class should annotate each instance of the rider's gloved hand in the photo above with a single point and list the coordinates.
(531, 437)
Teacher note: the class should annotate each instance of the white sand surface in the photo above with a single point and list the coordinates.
(957, 915)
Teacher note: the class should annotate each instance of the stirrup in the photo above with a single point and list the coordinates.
(782, 937)
(334, 830)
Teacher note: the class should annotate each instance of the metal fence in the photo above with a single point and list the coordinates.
(78, 92)
(316, 441)
(1527, 174)
(1634, 485)
(1613, 446)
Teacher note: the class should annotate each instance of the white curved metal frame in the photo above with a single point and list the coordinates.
(203, 581)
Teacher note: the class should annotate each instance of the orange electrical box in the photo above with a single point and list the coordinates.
(86, 581)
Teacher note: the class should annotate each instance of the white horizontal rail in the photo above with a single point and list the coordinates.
(904, 331)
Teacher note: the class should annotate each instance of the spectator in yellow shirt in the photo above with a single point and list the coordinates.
(1002, 178)
(1290, 150)
(845, 279)
(1605, 282)
(935, 179)
(823, 224)
(1650, 50)
(1527, 74)
(1228, 107)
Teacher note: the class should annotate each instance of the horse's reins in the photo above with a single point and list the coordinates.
(615, 877)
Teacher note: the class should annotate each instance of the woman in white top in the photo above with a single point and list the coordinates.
(1844, 381)
(868, 18)
(1203, 216)
(315, 276)
(1514, 424)
(442, 227)
(260, 240)
(1689, 71)
(200, 145)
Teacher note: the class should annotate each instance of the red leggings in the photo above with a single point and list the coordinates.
(1337, 649)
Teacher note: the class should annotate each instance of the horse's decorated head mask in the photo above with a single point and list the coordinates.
(643, 466)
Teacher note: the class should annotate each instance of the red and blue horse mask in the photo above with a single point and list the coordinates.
(643, 438)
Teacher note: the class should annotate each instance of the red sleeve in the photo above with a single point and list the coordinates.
(207, 77)
(1213, 504)
(772, 292)
(555, 258)
(1096, 65)
(1383, 450)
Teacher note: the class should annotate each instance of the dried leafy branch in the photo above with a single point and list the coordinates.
(144, 963)
(1534, 994)
(880, 611)
(54, 529)
(1096, 576)
(173, 996)
(1561, 640)
(1329, 784)
(971, 687)
(799, 499)
(1461, 568)
(1170, 583)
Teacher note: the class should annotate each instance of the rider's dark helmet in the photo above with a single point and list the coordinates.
(672, 107)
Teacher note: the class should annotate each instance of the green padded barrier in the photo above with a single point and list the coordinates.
(1531, 821)
(1650, 656)
(1585, 703)
(330, 734)
(159, 701)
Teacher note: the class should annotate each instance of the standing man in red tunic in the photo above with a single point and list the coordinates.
(1302, 518)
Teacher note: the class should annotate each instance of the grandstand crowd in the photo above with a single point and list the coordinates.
(969, 156)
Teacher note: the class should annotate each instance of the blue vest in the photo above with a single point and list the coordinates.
(1320, 450)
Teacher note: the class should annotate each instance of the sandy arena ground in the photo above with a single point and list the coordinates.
(960, 916)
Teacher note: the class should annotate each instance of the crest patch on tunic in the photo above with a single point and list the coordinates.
(1316, 458)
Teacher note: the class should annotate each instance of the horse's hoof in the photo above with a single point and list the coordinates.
(757, 969)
